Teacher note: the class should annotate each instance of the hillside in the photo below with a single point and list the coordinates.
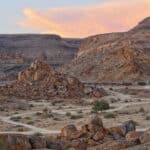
(114, 56)
(18, 51)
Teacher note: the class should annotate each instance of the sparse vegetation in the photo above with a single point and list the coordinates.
(68, 114)
(110, 115)
(142, 110)
(16, 118)
(142, 83)
(79, 112)
(100, 106)
(147, 117)
(76, 116)
(38, 134)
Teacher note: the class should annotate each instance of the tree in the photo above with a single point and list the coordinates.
(100, 106)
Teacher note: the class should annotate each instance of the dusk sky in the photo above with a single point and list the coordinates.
(71, 18)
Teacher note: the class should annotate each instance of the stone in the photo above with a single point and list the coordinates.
(55, 145)
(133, 136)
(122, 130)
(69, 131)
(15, 142)
(37, 142)
(145, 138)
(99, 136)
(78, 144)
(96, 120)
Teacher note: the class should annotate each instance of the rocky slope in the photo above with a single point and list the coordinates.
(91, 136)
(40, 81)
(18, 51)
(114, 57)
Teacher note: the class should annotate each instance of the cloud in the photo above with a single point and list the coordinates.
(110, 16)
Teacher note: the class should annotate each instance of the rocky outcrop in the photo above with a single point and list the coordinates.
(91, 136)
(114, 57)
(40, 81)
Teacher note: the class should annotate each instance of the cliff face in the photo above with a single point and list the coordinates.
(18, 51)
(114, 57)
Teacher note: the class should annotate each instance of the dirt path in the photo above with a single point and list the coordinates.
(34, 129)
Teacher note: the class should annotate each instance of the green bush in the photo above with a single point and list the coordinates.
(100, 106)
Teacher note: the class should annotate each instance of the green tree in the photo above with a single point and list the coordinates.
(100, 106)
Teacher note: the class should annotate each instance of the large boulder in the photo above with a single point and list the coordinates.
(37, 142)
(15, 142)
(69, 131)
(145, 138)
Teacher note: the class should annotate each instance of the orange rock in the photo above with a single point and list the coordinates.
(99, 136)
(133, 136)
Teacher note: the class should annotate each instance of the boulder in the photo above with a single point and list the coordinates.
(15, 142)
(96, 120)
(69, 131)
(37, 142)
(133, 136)
(145, 138)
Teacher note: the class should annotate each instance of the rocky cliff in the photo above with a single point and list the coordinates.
(114, 57)
(18, 51)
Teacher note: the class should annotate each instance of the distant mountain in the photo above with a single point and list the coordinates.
(114, 56)
(18, 51)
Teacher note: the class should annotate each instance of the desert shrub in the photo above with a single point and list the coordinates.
(38, 134)
(68, 114)
(111, 89)
(110, 115)
(30, 122)
(142, 83)
(126, 83)
(16, 118)
(76, 116)
(142, 110)
(100, 106)
(79, 112)
(147, 117)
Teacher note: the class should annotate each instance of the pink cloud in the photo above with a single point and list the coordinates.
(111, 16)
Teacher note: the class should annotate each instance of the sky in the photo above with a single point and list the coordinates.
(71, 18)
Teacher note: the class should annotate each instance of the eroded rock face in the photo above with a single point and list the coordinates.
(114, 57)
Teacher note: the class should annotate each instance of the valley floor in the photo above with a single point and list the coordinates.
(127, 103)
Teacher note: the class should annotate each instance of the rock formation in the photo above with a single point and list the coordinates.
(114, 56)
(40, 81)
(91, 136)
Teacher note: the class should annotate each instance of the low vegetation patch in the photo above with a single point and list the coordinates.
(76, 116)
(147, 117)
(109, 115)
(100, 106)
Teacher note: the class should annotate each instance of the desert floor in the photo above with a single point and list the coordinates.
(30, 117)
